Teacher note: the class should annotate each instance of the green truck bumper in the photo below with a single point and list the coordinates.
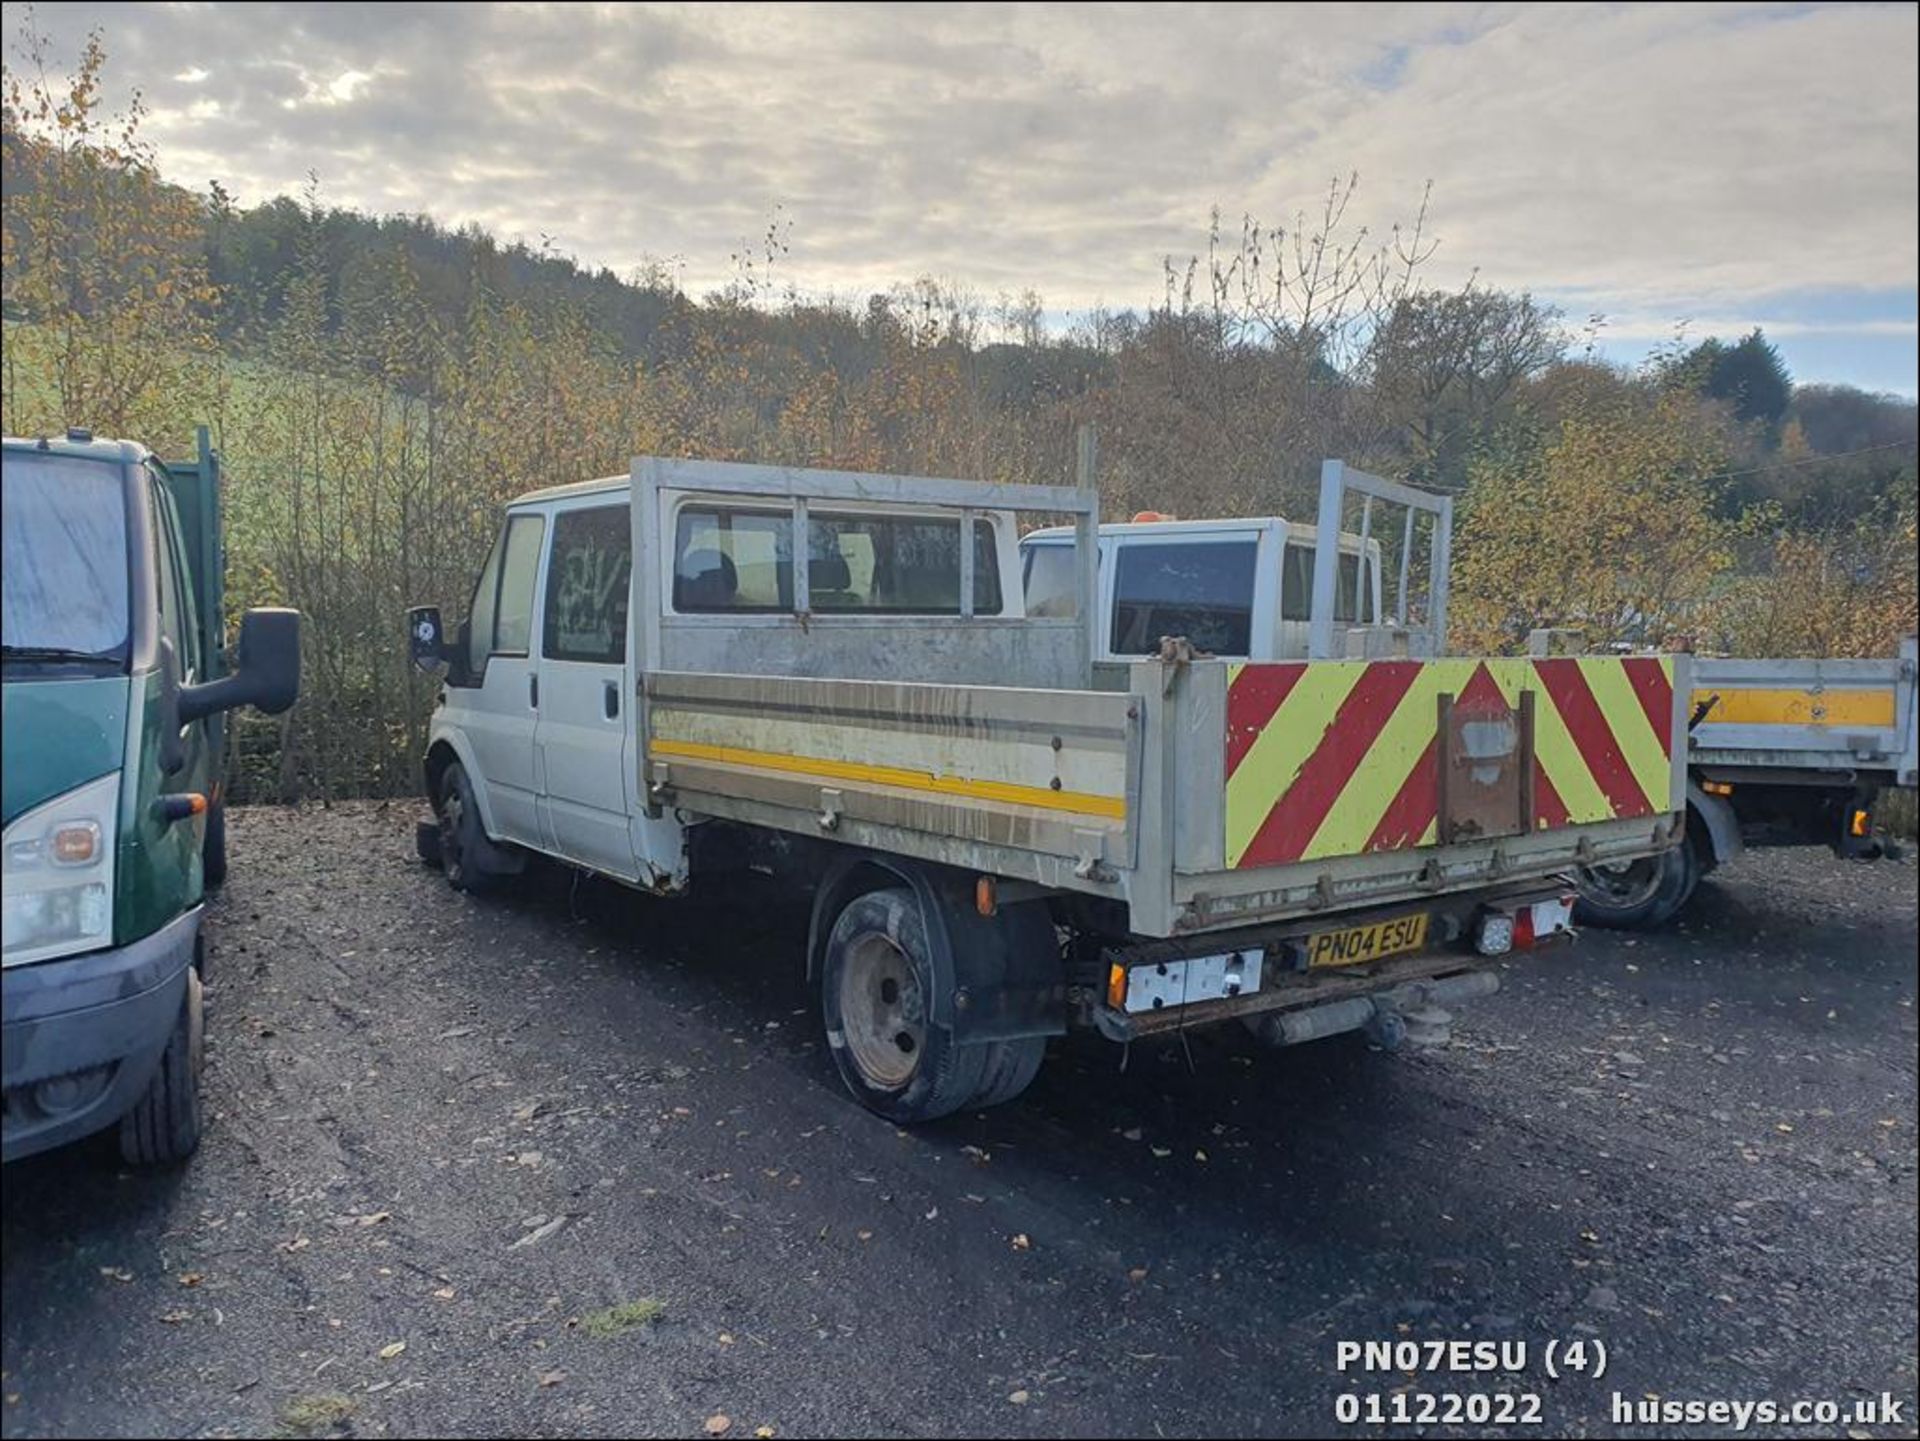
(82, 1035)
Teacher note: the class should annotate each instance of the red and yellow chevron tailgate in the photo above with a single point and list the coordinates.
(1331, 758)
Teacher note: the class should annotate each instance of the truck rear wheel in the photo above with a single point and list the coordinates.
(1637, 895)
(1010, 1069)
(876, 979)
(163, 1128)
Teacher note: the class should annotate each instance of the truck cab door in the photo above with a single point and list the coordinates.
(499, 710)
(584, 725)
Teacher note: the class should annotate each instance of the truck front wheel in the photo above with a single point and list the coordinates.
(467, 856)
(163, 1128)
(876, 978)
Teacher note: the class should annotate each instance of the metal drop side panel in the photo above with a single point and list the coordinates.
(1022, 782)
(1808, 714)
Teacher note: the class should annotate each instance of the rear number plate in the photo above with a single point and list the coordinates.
(1367, 943)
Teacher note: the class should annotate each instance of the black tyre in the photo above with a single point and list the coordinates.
(875, 980)
(163, 1128)
(213, 851)
(466, 855)
(1009, 1070)
(1638, 895)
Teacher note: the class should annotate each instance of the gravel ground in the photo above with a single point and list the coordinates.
(450, 1137)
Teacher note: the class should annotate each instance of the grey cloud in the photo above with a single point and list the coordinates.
(1653, 156)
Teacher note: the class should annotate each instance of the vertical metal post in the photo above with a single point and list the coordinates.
(966, 563)
(1360, 567)
(1326, 560)
(1406, 555)
(802, 557)
(1437, 582)
(648, 580)
(1086, 547)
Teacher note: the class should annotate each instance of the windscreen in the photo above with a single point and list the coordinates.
(63, 558)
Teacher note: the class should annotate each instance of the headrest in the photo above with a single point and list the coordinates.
(705, 579)
(829, 572)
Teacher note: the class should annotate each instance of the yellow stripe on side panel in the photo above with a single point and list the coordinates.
(1075, 802)
(1285, 742)
(1798, 707)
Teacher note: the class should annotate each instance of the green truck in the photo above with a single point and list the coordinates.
(115, 680)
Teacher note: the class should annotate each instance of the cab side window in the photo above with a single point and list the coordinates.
(501, 622)
(520, 562)
(587, 576)
(176, 610)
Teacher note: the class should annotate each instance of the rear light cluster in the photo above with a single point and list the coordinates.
(1519, 929)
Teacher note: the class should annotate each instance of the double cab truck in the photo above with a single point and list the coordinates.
(115, 680)
(667, 676)
(1779, 752)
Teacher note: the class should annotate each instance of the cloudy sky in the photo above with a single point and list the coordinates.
(1723, 166)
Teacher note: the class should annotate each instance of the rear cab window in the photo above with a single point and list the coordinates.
(1197, 587)
(727, 559)
(730, 559)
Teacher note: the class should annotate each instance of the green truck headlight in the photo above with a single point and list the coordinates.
(56, 890)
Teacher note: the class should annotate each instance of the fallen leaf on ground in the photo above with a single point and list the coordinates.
(373, 1218)
(191, 1278)
(1019, 1398)
(445, 1293)
(538, 1233)
(718, 1425)
(392, 1349)
(552, 1378)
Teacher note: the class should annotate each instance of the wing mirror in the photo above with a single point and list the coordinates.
(431, 647)
(266, 672)
(426, 637)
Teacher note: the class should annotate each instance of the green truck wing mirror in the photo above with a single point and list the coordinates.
(266, 673)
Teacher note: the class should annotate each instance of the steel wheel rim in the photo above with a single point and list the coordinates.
(1621, 884)
(882, 1012)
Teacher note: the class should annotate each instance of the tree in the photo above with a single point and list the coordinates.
(1445, 368)
(1749, 375)
(104, 262)
(1608, 529)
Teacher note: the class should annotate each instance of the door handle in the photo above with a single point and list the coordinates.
(533, 691)
(612, 699)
